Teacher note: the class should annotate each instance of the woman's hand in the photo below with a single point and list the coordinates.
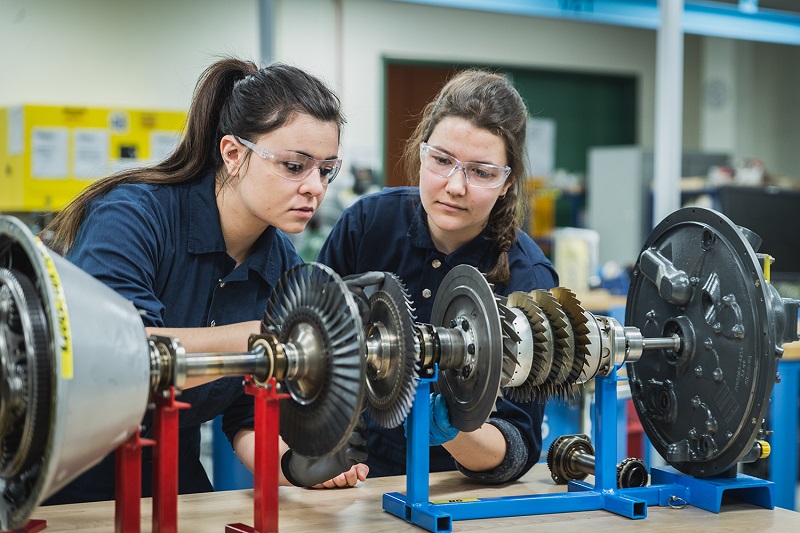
(343, 468)
(347, 479)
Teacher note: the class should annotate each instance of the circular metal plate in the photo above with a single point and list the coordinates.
(561, 458)
(25, 370)
(392, 377)
(312, 309)
(27, 353)
(465, 294)
(703, 406)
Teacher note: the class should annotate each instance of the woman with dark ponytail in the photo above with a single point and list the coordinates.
(466, 166)
(197, 241)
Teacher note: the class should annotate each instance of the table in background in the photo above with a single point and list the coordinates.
(601, 301)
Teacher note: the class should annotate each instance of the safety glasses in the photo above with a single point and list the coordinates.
(481, 175)
(295, 166)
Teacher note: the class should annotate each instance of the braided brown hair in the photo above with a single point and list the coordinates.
(232, 96)
(488, 101)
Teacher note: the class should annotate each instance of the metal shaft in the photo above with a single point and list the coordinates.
(617, 344)
(171, 365)
(656, 343)
(453, 348)
(226, 364)
(583, 462)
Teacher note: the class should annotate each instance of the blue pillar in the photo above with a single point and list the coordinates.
(229, 472)
(784, 422)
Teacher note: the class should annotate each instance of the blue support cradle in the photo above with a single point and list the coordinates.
(668, 488)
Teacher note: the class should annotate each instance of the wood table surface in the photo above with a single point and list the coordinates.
(358, 510)
(791, 351)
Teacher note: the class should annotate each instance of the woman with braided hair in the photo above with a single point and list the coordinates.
(197, 244)
(465, 161)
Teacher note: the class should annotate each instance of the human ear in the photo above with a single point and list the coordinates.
(231, 152)
(507, 185)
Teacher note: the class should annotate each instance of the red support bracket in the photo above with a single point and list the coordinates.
(128, 484)
(165, 462)
(265, 477)
(128, 480)
(31, 526)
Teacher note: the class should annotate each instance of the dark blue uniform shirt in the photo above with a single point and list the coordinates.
(162, 248)
(388, 231)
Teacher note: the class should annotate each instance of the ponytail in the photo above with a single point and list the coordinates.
(232, 96)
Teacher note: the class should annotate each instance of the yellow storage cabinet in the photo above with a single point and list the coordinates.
(49, 154)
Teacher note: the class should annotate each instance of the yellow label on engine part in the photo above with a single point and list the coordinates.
(456, 500)
(65, 342)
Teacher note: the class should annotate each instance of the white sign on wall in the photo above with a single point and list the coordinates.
(90, 152)
(541, 145)
(49, 154)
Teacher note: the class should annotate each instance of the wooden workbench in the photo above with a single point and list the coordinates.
(791, 351)
(600, 301)
(359, 510)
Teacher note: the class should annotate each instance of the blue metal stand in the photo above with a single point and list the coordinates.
(783, 421)
(414, 507)
(669, 487)
(229, 472)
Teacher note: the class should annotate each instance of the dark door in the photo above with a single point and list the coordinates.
(589, 109)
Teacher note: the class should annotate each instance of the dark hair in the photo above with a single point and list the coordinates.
(488, 101)
(232, 96)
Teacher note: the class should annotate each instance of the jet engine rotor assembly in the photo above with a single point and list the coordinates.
(532, 346)
(704, 330)
(704, 335)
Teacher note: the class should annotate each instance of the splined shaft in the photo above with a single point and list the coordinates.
(571, 458)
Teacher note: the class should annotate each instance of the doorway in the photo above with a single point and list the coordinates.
(588, 109)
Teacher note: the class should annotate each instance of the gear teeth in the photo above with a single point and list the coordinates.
(572, 306)
(511, 339)
(625, 479)
(508, 316)
(314, 295)
(391, 408)
(510, 335)
(543, 349)
(562, 334)
(12, 319)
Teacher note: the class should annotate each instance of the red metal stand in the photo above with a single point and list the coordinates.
(31, 526)
(265, 477)
(636, 442)
(128, 481)
(128, 484)
(165, 463)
